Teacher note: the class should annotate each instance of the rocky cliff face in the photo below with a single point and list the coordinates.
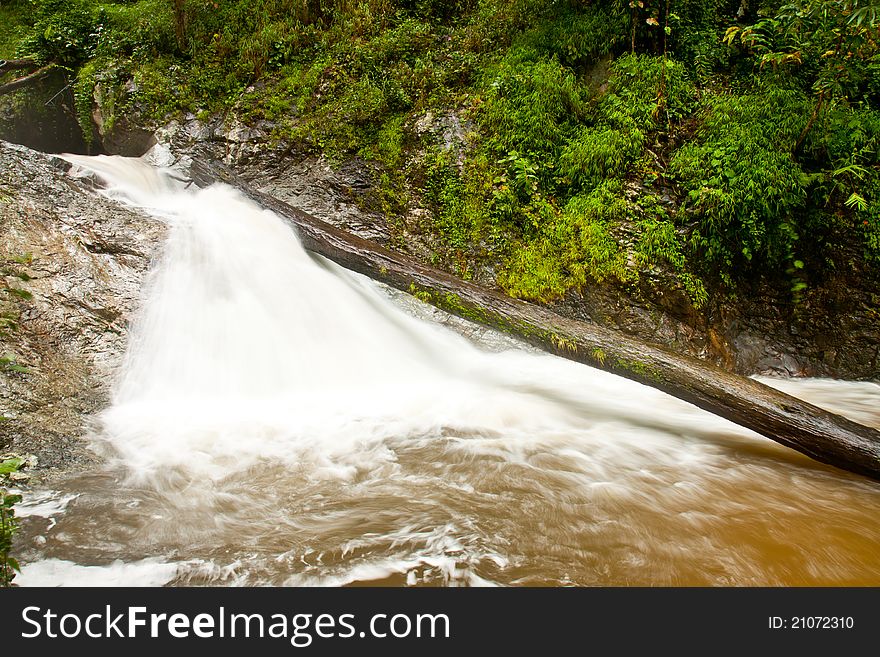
(73, 265)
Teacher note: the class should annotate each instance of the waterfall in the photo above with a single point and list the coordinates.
(280, 420)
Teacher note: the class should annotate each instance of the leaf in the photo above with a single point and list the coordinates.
(867, 14)
(730, 35)
(22, 294)
(11, 465)
(856, 201)
(10, 500)
(9, 365)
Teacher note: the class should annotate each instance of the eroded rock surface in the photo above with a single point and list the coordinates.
(73, 267)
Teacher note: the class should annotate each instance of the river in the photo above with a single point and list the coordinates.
(280, 421)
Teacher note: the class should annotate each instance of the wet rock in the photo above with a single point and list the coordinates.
(121, 135)
(334, 194)
(81, 261)
(447, 129)
(832, 332)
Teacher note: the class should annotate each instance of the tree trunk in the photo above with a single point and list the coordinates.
(180, 25)
(32, 78)
(824, 436)
(16, 64)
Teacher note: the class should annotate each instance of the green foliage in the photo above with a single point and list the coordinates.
(742, 181)
(442, 10)
(8, 324)
(162, 86)
(136, 29)
(641, 90)
(850, 136)
(10, 365)
(360, 117)
(15, 20)
(574, 246)
(659, 241)
(867, 219)
(530, 106)
(406, 41)
(83, 93)
(645, 90)
(23, 258)
(696, 38)
(8, 521)
(495, 23)
(851, 144)
(576, 35)
(389, 143)
(8, 527)
(461, 210)
(760, 122)
(65, 32)
(832, 41)
(10, 465)
(17, 292)
(598, 153)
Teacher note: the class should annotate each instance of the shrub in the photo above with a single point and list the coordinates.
(742, 181)
(643, 89)
(578, 36)
(633, 104)
(65, 32)
(597, 153)
(530, 106)
(574, 246)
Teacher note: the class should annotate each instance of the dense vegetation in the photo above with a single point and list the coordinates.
(721, 140)
(8, 526)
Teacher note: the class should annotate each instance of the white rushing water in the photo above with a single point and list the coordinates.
(280, 420)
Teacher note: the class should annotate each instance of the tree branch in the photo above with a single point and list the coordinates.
(25, 81)
(27, 63)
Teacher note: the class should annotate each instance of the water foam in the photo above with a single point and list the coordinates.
(285, 422)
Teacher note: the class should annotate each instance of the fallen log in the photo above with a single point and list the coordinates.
(26, 80)
(821, 435)
(27, 64)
